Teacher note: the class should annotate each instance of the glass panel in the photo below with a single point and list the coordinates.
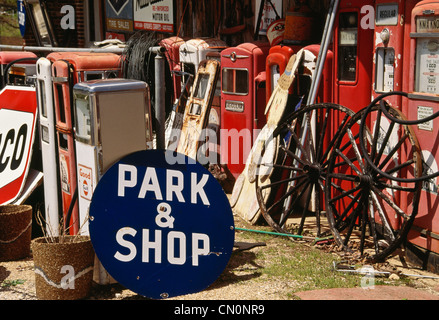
(385, 60)
(188, 68)
(427, 65)
(235, 81)
(195, 109)
(82, 121)
(60, 96)
(42, 100)
(203, 82)
(93, 75)
(347, 55)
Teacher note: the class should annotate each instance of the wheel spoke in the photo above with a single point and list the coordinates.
(361, 197)
(298, 176)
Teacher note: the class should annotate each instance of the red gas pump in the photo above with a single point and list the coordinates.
(172, 46)
(24, 64)
(243, 99)
(392, 22)
(324, 92)
(68, 69)
(423, 98)
(353, 49)
(277, 61)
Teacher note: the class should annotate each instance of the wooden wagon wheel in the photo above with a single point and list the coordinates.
(365, 209)
(296, 178)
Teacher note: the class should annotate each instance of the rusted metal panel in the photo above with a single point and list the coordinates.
(196, 114)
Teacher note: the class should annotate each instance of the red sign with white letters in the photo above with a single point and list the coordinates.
(18, 110)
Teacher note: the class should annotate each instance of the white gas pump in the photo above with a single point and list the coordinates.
(112, 118)
(48, 144)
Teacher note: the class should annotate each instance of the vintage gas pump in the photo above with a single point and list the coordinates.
(392, 23)
(193, 51)
(23, 66)
(49, 153)
(325, 89)
(68, 69)
(112, 118)
(423, 98)
(277, 61)
(353, 56)
(172, 46)
(243, 100)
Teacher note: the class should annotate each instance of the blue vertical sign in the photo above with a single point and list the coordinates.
(161, 229)
(21, 17)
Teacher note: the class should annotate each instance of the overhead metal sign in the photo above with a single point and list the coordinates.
(159, 227)
(18, 110)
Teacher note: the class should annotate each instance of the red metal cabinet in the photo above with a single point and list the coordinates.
(172, 46)
(392, 24)
(7, 57)
(353, 48)
(69, 68)
(277, 61)
(243, 100)
(423, 90)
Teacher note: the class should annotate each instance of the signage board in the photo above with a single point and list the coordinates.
(21, 13)
(119, 15)
(155, 15)
(161, 228)
(18, 110)
(269, 15)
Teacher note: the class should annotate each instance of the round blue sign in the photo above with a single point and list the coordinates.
(21, 17)
(160, 228)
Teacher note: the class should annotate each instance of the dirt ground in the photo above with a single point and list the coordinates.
(242, 279)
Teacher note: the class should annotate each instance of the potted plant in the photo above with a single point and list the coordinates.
(63, 264)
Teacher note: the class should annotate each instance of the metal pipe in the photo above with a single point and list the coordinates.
(323, 51)
(284, 234)
(374, 272)
(58, 49)
(159, 103)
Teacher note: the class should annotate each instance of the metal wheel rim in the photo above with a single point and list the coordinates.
(366, 205)
(307, 167)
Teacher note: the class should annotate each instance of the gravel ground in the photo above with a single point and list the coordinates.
(241, 280)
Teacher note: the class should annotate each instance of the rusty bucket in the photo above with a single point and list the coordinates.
(63, 267)
(15, 232)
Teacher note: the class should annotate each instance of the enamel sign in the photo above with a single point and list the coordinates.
(154, 15)
(161, 229)
(18, 109)
(21, 13)
(119, 15)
